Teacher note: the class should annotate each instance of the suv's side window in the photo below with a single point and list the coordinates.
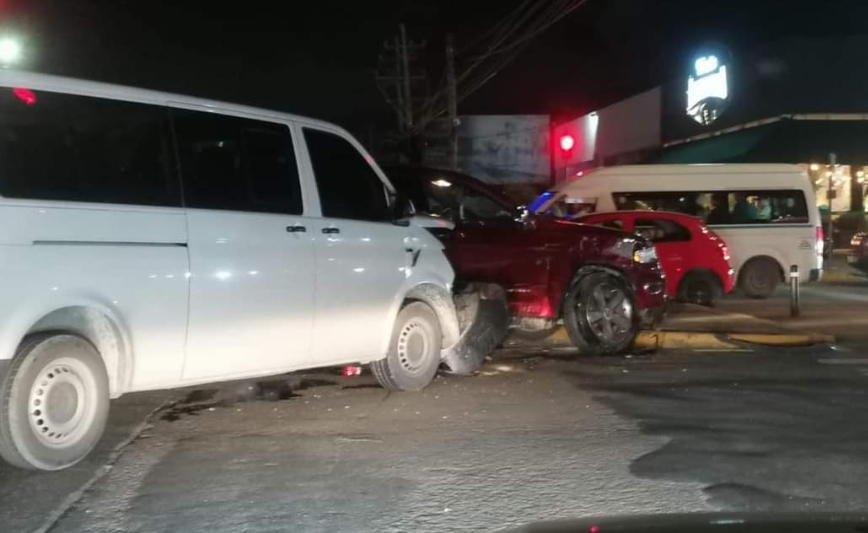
(455, 201)
(57, 146)
(476, 206)
(347, 184)
(237, 163)
(661, 230)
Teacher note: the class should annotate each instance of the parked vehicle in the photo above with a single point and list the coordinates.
(603, 283)
(694, 259)
(857, 255)
(150, 241)
(766, 213)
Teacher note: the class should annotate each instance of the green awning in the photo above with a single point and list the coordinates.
(787, 141)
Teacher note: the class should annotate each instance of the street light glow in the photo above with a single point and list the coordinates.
(10, 51)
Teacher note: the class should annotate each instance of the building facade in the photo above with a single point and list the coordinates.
(802, 101)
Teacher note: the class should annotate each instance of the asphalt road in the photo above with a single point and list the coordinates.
(538, 434)
(535, 436)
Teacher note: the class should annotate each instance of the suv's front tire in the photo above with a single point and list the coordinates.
(414, 351)
(54, 402)
(600, 314)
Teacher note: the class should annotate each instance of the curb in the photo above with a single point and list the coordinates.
(700, 340)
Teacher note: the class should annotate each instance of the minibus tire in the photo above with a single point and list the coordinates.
(759, 278)
(414, 351)
(54, 402)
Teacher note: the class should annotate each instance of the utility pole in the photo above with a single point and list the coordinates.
(831, 193)
(405, 74)
(396, 79)
(452, 102)
(397, 75)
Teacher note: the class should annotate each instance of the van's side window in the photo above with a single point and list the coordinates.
(347, 184)
(237, 163)
(77, 148)
(723, 207)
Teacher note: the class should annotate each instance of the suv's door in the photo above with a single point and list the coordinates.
(487, 240)
(487, 244)
(251, 255)
(360, 254)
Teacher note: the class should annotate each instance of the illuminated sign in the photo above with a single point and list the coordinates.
(707, 90)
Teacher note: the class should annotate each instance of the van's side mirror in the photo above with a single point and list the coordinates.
(402, 209)
(402, 206)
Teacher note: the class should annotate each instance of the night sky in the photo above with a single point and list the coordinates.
(317, 57)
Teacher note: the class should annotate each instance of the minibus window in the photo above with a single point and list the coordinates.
(731, 207)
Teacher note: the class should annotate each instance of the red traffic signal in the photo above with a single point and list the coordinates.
(567, 143)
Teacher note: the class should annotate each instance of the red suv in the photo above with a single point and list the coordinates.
(694, 258)
(603, 283)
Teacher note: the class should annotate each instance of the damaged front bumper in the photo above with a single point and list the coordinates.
(483, 316)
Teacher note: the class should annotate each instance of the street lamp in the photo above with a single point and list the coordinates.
(10, 52)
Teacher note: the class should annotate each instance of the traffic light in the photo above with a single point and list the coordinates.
(567, 143)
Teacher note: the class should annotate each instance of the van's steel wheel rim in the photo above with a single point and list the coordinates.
(609, 313)
(414, 343)
(62, 403)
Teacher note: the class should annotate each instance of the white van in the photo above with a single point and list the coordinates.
(151, 241)
(766, 213)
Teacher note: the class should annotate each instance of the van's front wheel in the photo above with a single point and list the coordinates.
(54, 402)
(414, 351)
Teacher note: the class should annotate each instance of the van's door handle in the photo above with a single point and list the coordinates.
(331, 230)
(296, 229)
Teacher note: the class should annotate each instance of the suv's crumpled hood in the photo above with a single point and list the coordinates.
(567, 231)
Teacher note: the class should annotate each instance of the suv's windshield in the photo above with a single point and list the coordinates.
(433, 266)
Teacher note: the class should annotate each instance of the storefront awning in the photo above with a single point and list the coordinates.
(785, 141)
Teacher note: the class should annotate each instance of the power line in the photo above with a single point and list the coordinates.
(495, 28)
(547, 14)
(508, 38)
(566, 11)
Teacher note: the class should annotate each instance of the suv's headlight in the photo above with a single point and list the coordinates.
(645, 255)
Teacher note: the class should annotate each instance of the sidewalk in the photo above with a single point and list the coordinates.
(836, 306)
(689, 326)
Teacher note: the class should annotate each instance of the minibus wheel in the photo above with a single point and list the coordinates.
(759, 278)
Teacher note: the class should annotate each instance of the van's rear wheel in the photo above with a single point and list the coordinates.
(600, 315)
(414, 352)
(54, 402)
(759, 278)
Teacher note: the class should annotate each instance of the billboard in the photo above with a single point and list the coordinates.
(499, 149)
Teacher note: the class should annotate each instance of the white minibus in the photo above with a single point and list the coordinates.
(766, 213)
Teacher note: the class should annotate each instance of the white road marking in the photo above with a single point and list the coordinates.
(844, 361)
(725, 350)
